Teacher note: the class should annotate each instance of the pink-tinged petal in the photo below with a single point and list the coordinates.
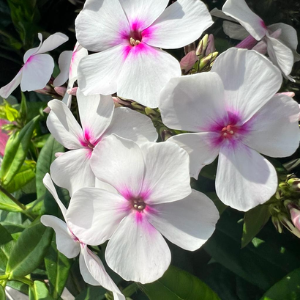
(101, 24)
(47, 181)
(6, 90)
(193, 102)
(280, 55)
(244, 179)
(3, 137)
(295, 217)
(163, 161)
(288, 37)
(95, 113)
(179, 25)
(94, 214)
(96, 269)
(63, 126)
(261, 47)
(239, 10)
(250, 80)
(248, 43)
(202, 147)
(275, 134)
(99, 73)
(37, 72)
(33, 51)
(219, 14)
(52, 42)
(142, 13)
(78, 54)
(235, 31)
(137, 251)
(64, 240)
(188, 61)
(149, 69)
(64, 62)
(132, 125)
(187, 223)
(120, 163)
(72, 170)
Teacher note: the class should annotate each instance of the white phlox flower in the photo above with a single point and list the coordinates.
(99, 118)
(68, 64)
(91, 267)
(38, 66)
(278, 40)
(150, 198)
(128, 35)
(233, 112)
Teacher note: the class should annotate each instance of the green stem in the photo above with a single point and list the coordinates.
(25, 280)
(130, 290)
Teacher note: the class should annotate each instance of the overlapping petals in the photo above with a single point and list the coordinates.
(152, 197)
(129, 34)
(234, 120)
(37, 68)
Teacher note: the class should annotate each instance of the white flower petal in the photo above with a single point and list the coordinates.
(101, 24)
(64, 241)
(95, 221)
(72, 170)
(64, 62)
(179, 25)
(244, 178)
(200, 147)
(193, 102)
(63, 126)
(105, 186)
(261, 47)
(167, 176)
(280, 55)
(95, 113)
(187, 223)
(215, 12)
(132, 125)
(6, 90)
(288, 37)
(235, 31)
(120, 163)
(252, 82)
(78, 53)
(85, 273)
(145, 72)
(239, 10)
(52, 42)
(47, 181)
(275, 134)
(98, 73)
(142, 13)
(95, 267)
(137, 251)
(37, 72)
(33, 51)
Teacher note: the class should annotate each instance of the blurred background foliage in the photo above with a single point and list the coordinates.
(239, 262)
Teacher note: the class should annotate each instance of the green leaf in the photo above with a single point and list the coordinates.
(2, 293)
(178, 285)
(92, 293)
(57, 267)
(287, 288)
(254, 220)
(16, 151)
(23, 109)
(40, 141)
(39, 291)
(5, 236)
(5, 251)
(11, 113)
(29, 250)
(23, 177)
(45, 159)
(7, 204)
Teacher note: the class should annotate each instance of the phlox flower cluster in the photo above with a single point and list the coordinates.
(129, 190)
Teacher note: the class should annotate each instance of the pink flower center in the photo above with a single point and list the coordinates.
(135, 38)
(138, 204)
(229, 131)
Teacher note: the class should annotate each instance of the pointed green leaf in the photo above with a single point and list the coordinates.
(39, 291)
(177, 284)
(16, 151)
(5, 236)
(7, 204)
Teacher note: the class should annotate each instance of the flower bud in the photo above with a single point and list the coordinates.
(188, 61)
(47, 110)
(294, 184)
(60, 90)
(200, 51)
(72, 91)
(211, 45)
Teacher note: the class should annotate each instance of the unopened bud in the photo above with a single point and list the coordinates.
(207, 61)
(294, 184)
(189, 48)
(211, 45)
(72, 91)
(47, 110)
(200, 51)
(46, 90)
(188, 61)
(277, 224)
(60, 90)
(137, 106)
(151, 112)
(248, 43)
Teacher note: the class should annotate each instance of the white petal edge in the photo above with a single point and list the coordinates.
(64, 62)
(6, 90)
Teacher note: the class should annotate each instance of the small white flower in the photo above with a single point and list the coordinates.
(37, 68)
(150, 198)
(233, 112)
(99, 119)
(129, 34)
(91, 267)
